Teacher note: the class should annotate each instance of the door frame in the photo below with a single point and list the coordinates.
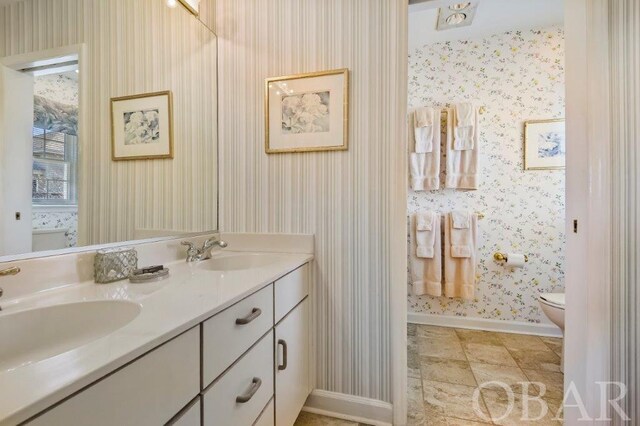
(45, 57)
(588, 314)
(588, 194)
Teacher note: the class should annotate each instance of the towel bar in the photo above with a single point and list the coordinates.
(479, 214)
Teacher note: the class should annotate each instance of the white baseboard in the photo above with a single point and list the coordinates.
(485, 324)
(349, 407)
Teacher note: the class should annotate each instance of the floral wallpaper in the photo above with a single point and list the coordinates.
(57, 220)
(56, 99)
(517, 76)
(61, 88)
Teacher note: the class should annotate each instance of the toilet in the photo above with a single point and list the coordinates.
(49, 239)
(552, 305)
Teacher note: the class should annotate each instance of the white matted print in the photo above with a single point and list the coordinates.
(307, 112)
(544, 144)
(142, 126)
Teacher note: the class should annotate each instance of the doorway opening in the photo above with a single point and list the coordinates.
(41, 152)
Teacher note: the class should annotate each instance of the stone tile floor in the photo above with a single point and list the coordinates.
(447, 365)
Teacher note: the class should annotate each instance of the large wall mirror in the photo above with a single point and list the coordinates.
(108, 123)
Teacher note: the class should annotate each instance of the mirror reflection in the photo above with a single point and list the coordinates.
(108, 123)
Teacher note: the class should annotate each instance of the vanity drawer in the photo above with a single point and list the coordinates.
(189, 416)
(230, 333)
(290, 290)
(149, 391)
(250, 378)
(267, 418)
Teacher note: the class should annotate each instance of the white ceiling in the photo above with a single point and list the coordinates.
(492, 17)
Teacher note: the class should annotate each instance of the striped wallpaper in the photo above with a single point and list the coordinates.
(133, 46)
(624, 51)
(348, 199)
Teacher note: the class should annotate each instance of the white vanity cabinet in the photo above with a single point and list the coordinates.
(149, 391)
(246, 365)
(292, 364)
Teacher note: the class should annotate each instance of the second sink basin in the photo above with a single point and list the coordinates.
(37, 334)
(235, 262)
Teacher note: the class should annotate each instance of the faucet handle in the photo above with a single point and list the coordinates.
(191, 247)
(213, 241)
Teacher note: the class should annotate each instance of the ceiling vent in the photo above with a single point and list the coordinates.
(456, 15)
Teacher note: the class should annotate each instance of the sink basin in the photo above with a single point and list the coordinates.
(237, 262)
(37, 334)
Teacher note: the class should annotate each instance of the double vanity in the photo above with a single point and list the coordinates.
(224, 341)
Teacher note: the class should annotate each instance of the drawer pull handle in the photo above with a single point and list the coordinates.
(255, 385)
(255, 313)
(283, 343)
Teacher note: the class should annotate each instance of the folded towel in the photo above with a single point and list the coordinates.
(464, 114)
(424, 129)
(464, 128)
(460, 247)
(425, 238)
(461, 219)
(424, 220)
(424, 117)
(460, 251)
(425, 167)
(462, 165)
(426, 273)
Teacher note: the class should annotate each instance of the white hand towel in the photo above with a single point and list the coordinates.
(462, 165)
(424, 129)
(461, 219)
(465, 126)
(424, 221)
(425, 167)
(425, 237)
(464, 114)
(460, 246)
(426, 273)
(424, 117)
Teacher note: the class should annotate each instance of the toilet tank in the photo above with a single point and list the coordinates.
(49, 239)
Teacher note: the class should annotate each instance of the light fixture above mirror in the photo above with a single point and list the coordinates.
(192, 5)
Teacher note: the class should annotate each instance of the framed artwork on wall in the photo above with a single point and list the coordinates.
(544, 144)
(307, 112)
(142, 126)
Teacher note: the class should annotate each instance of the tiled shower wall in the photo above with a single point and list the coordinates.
(517, 76)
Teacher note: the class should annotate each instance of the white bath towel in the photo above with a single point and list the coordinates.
(425, 167)
(426, 273)
(425, 237)
(424, 129)
(465, 128)
(460, 246)
(462, 165)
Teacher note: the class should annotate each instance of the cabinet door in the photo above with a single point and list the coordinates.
(190, 416)
(147, 392)
(292, 364)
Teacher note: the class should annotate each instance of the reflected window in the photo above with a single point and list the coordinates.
(55, 162)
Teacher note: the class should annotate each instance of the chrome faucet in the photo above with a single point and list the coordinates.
(195, 254)
(5, 272)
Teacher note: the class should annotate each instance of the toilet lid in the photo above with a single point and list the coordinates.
(553, 299)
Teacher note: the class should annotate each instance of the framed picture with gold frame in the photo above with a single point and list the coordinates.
(142, 126)
(544, 144)
(307, 112)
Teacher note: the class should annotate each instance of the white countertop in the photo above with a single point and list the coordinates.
(169, 307)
